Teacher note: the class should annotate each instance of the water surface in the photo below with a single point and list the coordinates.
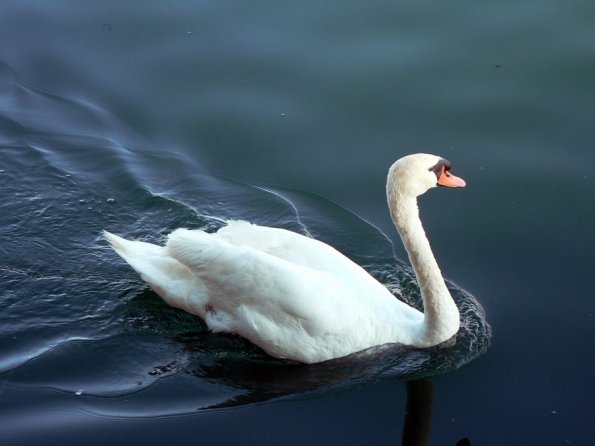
(144, 117)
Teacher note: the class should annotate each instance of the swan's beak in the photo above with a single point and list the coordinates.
(449, 180)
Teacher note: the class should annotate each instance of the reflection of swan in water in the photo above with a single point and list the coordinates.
(296, 297)
(418, 414)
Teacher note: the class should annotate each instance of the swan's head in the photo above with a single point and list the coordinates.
(415, 174)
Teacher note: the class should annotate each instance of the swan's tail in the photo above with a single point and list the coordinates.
(130, 250)
(144, 257)
(173, 281)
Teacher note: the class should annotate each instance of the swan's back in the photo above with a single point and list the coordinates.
(286, 245)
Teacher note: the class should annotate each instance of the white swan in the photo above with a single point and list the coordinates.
(296, 297)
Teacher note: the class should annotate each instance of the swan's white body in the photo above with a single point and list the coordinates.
(296, 297)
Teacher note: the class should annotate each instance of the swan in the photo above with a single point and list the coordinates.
(296, 297)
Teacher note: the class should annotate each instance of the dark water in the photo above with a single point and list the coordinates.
(146, 116)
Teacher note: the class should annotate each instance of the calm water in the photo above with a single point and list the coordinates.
(146, 116)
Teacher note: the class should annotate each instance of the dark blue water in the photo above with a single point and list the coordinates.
(144, 117)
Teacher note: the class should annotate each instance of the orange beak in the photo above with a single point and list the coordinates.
(449, 180)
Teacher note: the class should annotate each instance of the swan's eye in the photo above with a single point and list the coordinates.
(441, 165)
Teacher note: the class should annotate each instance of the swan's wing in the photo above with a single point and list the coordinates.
(276, 304)
(307, 252)
(242, 275)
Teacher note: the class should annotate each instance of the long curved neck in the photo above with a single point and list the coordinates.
(441, 316)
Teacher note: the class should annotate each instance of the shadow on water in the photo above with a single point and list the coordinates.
(79, 322)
